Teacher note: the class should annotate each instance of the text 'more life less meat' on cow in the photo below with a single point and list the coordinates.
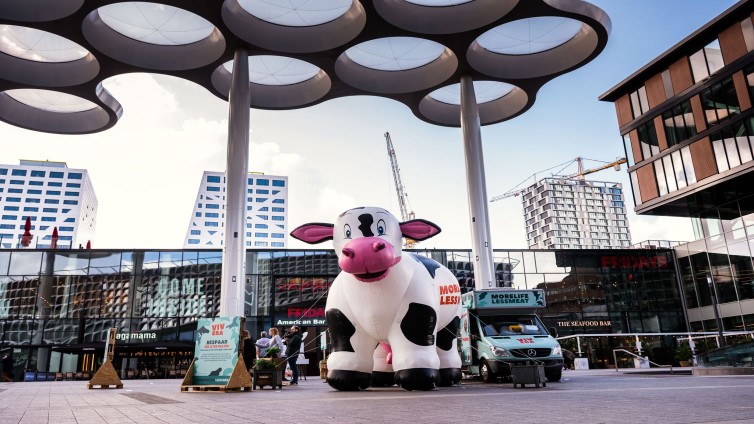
(405, 304)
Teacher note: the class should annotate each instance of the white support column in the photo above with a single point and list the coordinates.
(233, 280)
(476, 186)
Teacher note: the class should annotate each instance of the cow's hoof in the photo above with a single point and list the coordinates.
(348, 381)
(383, 379)
(417, 378)
(450, 377)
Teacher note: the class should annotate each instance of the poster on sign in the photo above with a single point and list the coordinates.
(216, 353)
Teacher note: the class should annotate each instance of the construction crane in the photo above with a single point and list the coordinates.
(578, 175)
(399, 188)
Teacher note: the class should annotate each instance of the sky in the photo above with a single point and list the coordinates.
(146, 170)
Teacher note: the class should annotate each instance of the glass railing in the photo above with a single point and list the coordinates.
(739, 355)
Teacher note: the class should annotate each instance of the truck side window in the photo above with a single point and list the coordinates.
(489, 330)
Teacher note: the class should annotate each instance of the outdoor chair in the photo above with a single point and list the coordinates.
(58, 376)
(69, 376)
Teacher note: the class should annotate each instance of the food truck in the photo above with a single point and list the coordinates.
(500, 329)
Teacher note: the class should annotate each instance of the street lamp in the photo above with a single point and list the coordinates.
(713, 299)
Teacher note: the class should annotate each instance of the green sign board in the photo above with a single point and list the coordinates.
(509, 299)
(216, 353)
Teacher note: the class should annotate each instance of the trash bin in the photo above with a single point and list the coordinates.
(528, 373)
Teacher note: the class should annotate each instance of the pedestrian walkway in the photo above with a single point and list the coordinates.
(593, 396)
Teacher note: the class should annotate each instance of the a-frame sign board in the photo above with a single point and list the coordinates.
(106, 376)
(239, 379)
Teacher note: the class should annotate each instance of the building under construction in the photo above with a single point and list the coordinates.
(563, 213)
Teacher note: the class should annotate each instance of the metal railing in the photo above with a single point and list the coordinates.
(641, 358)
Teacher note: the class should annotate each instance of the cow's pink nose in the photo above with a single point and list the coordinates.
(348, 252)
(378, 245)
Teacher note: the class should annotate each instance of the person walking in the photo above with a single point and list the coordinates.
(7, 363)
(263, 343)
(294, 348)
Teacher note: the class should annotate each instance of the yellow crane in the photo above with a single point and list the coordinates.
(399, 188)
(578, 175)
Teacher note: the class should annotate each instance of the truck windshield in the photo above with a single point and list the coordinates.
(513, 326)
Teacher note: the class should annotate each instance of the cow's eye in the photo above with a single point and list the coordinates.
(347, 231)
(380, 227)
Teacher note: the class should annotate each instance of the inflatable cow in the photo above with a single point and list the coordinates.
(392, 316)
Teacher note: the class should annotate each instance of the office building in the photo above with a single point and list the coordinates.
(562, 213)
(687, 123)
(266, 212)
(52, 196)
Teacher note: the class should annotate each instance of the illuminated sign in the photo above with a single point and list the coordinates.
(136, 337)
(634, 262)
(596, 323)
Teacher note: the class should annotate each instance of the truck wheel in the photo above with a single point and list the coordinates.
(554, 375)
(485, 373)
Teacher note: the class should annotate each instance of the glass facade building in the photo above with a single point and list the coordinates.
(57, 306)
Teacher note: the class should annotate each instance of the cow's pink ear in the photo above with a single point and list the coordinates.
(313, 233)
(419, 229)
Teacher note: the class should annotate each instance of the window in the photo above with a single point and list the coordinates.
(14, 199)
(3, 171)
(17, 182)
(198, 214)
(211, 215)
(18, 172)
(73, 185)
(213, 178)
(212, 206)
(213, 188)
(55, 184)
(639, 103)
(31, 209)
(263, 182)
(196, 232)
(72, 193)
(28, 200)
(278, 244)
(53, 193)
(210, 224)
(648, 140)
(261, 235)
(193, 241)
(720, 102)
(260, 244)
(733, 145)
(629, 150)
(48, 218)
(31, 191)
(278, 218)
(748, 30)
(11, 208)
(679, 123)
(667, 84)
(52, 210)
(278, 209)
(278, 201)
(36, 183)
(70, 220)
(278, 235)
(260, 191)
(75, 175)
(55, 174)
(15, 190)
(70, 202)
(281, 183)
(261, 199)
(706, 61)
(37, 173)
(66, 229)
(674, 171)
(10, 217)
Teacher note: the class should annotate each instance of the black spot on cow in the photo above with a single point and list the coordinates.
(341, 330)
(429, 264)
(366, 221)
(216, 372)
(446, 336)
(418, 325)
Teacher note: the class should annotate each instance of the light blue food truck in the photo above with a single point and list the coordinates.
(500, 329)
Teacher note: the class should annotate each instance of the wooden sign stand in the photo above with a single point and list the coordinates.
(106, 375)
(240, 379)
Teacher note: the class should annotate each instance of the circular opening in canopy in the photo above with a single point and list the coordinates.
(38, 46)
(155, 23)
(395, 53)
(485, 91)
(296, 13)
(51, 101)
(437, 3)
(529, 36)
(277, 70)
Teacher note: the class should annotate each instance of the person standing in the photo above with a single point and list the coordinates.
(263, 343)
(249, 350)
(7, 363)
(294, 348)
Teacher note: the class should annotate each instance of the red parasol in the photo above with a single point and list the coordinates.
(54, 241)
(26, 238)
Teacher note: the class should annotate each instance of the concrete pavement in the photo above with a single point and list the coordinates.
(594, 396)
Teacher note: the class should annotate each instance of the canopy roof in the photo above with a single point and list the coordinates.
(54, 54)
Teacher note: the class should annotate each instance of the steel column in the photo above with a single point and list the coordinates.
(233, 279)
(476, 186)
